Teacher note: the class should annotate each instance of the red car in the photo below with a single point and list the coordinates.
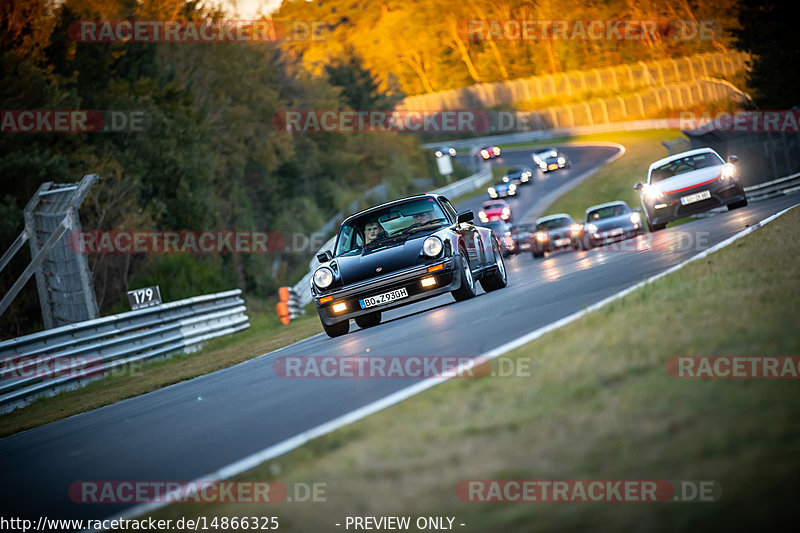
(495, 210)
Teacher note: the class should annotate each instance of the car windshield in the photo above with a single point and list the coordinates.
(547, 153)
(494, 205)
(607, 212)
(554, 223)
(523, 227)
(389, 224)
(685, 164)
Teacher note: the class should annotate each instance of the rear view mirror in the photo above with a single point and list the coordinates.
(732, 159)
(465, 216)
(324, 256)
(638, 186)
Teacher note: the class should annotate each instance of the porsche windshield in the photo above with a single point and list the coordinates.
(391, 223)
(685, 164)
(608, 212)
(554, 223)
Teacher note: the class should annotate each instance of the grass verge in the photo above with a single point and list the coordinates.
(265, 334)
(598, 404)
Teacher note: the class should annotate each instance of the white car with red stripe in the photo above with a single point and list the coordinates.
(689, 183)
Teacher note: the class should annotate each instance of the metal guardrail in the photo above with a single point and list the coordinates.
(772, 188)
(542, 135)
(68, 357)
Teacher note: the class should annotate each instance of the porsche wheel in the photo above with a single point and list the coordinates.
(499, 278)
(367, 321)
(338, 329)
(737, 205)
(467, 288)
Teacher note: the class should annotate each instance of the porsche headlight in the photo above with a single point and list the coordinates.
(591, 228)
(542, 236)
(561, 161)
(323, 277)
(728, 171)
(432, 246)
(651, 193)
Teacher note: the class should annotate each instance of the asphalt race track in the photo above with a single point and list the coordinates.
(527, 199)
(196, 427)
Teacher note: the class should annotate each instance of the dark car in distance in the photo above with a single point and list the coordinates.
(401, 252)
(519, 238)
(501, 231)
(519, 175)
(553, 233)
(609, 222)
(502, 189)
(550, 159)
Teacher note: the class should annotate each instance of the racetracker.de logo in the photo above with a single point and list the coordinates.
(376, 121)
(588, 30)
(49, 367)
(734, 367)
(381, 367)
(779, 121)
(165, 242)
(587, 490)
(177, 492)
(196, 31)
(71, 121)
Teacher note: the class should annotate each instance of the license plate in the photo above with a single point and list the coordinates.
(562, 242)
(384, 298)
(552, 166)
(691, 198)
(614, 232)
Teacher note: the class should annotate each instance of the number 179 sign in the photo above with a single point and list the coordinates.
(146, 297)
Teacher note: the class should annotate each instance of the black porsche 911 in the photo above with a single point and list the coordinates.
(402, 252)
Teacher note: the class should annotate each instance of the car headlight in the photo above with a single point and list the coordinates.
(636, 218)
(553, 153)
(438, 153)
(485, 154)
(432, 246)
(651, 193)
(491, 190)
(591, 228)
(505, 179)
(323, 277)
(512, 187)
(496, 150)
(452, 151)
(542, 164)
(541, 236)
(728, 171)
(575, 229)
(561, 161)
